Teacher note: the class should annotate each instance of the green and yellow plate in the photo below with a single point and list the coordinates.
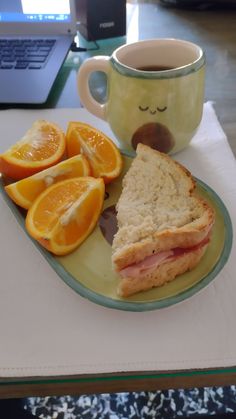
(88, 270)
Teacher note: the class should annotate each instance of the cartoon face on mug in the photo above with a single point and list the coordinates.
(146, 111)
(154, 134)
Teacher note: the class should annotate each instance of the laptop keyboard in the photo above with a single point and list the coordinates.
(24, 53)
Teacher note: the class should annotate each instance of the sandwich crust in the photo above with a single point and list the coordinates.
(158, 211)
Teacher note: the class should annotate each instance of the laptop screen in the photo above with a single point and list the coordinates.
(35, 11)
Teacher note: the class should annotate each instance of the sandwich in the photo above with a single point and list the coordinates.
(164, 228)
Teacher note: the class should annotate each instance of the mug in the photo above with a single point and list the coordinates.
(155, 92)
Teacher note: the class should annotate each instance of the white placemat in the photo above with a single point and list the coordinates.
(48, 329)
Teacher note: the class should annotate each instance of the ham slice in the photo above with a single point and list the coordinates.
(150, 263)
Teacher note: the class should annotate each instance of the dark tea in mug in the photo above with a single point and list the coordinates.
(154, 68)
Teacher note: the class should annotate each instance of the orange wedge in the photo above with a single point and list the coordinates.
(103, 155)
(25, 191)
(42, 146)
(65, 213)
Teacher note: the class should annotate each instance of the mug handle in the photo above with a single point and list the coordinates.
(99, 63)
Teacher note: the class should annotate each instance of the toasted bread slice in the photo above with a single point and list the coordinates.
(156, 212)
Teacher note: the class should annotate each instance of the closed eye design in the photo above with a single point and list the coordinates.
(143, 109)
(146, 108)
(162, 109)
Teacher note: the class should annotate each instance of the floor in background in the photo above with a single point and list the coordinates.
(168, 404)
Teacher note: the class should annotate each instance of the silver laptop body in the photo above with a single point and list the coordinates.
(46, 27)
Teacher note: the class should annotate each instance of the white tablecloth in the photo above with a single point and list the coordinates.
(48, 329)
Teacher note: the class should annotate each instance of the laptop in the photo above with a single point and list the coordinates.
(35, 37)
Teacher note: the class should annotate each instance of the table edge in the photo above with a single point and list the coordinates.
(110, 383)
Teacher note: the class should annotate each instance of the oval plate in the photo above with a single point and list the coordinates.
(88, 269)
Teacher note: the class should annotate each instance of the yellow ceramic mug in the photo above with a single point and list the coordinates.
(155, 92)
